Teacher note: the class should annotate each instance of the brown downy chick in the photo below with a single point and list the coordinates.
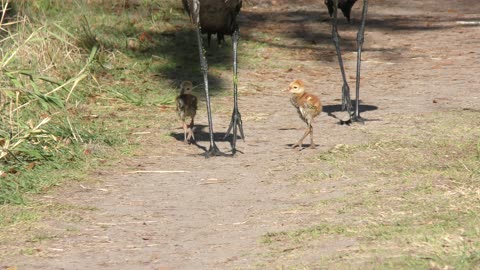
(308, 107)
(187, 107)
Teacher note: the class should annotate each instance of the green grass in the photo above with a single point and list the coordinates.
(303, 235)
(77, 79)
(414, 203)
(73, 89)
(67, 68)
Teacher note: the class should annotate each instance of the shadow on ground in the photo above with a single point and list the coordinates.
(176, 45)
(338, 108)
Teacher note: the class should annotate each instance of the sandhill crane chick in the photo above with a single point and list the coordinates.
(308, 107)
(187, 107)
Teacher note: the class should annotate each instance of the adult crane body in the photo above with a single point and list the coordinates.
(217, 17)
(344, 5)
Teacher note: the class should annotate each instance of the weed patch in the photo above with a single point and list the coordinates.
(416, 201)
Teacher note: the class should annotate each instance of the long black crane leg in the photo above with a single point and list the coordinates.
(236, 117)
(213, 150)
(360, 40)
(346, 101)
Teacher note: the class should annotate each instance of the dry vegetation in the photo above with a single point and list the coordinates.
(412, 201)
(42, 71)
(65, 85)
(79, 78)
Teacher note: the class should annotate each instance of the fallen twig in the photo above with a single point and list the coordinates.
(132, 172)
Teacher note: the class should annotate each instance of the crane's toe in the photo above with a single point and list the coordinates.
(298, 144)
(358, 119)
(348, 120)
(214, 152)
(236, 126)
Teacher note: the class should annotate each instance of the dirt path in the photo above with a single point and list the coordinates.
(421, 56)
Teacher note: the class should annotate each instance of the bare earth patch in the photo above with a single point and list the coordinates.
(272, 207)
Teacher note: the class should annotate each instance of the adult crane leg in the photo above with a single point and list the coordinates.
(213, 150)
(236, 121)
(346, 101)
(360, 39)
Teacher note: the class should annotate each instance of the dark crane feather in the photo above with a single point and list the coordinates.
(215, 16)
(344, 5)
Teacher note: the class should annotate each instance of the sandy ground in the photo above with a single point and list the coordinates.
(420, 56)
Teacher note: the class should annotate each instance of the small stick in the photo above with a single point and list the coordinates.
(132, 172)
(213, 182)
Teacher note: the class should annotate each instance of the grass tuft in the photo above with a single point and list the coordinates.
(413, 200)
